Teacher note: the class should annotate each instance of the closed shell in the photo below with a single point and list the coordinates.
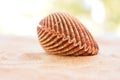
(62, 34)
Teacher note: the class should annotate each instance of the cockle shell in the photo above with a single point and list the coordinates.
(62, 34)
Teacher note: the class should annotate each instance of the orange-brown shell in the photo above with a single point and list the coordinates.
(62, 34)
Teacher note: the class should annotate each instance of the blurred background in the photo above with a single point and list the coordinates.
(21, 17)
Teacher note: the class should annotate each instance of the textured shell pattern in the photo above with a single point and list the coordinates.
(62, 34)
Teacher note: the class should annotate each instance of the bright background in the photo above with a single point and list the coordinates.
(21, 17)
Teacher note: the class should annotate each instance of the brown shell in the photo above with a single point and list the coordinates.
(62, 34)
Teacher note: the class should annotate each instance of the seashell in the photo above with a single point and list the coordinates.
(62, 34)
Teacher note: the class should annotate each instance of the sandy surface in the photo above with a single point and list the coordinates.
(22, 58)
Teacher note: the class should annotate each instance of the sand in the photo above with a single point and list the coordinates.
(22, 58)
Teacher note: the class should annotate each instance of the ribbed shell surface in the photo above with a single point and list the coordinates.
(62, 34)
